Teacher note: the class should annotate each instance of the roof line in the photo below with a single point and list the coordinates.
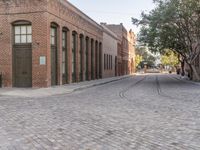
(92, 21)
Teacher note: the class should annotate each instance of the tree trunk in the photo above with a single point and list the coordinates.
(190, 74)
(183, 68)
(194, 70)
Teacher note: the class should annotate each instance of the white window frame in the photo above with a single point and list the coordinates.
(24, 36)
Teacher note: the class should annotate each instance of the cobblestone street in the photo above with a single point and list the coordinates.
(143, 112)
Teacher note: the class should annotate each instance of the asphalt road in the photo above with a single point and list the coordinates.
(144, 112)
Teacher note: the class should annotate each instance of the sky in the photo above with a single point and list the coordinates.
(114, 11)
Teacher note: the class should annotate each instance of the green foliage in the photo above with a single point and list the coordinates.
(169, 58)
(147, 56)
(138, 60)
(173, 24)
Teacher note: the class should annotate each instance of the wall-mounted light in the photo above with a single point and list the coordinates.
(35, 45)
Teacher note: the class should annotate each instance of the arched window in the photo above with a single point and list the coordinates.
(104, 61)
(100, 60)
(54, 40)
(96, 60)
(53, 36)
(86, 58)
(22, 32)
(74, 47)
(92, 58)
(64, 55)
(81, 50)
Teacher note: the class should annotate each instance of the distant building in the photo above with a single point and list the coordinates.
(109, 51)
(131, 48)
(126, 48)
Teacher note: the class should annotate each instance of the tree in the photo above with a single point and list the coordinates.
(174, 25)
(138, 60)
(146, 55)
(170, 58)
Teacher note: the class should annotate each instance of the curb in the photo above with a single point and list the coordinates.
(69, 91)
(187, 81)
(98, 84)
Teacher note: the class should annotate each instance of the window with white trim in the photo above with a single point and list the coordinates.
(53, 36)
(23, 34)
(64, 44)
(73, 53)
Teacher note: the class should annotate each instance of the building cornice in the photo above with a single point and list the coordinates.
(80, 13)
(109, 32)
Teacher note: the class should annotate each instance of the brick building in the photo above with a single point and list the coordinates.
(109, 51)
(131, 50)
(47, 42)
(126, 48)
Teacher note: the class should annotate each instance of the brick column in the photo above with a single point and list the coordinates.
(89, 59)
(77, 58)
(59, 56)
(69, 54)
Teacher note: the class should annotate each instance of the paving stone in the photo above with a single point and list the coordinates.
(146, 112)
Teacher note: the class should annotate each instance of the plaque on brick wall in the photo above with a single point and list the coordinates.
(42, 60)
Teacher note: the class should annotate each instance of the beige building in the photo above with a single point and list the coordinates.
(109, 51)
(126, 48)
(131, 50)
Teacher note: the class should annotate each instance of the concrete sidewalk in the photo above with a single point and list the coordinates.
(57, 90)
(186, 79)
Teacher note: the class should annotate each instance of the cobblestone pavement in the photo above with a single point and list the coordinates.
(152, 112)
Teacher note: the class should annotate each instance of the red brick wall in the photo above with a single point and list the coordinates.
(5, 51)
(39, 40)
(41, 14)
